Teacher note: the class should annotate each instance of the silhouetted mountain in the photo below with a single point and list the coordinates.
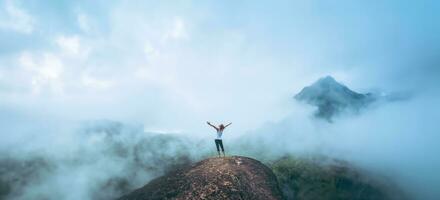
(214, 178)
(332, 97)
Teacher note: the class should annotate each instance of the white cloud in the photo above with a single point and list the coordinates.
(45, 74)
(87, 23)
(150, 51)
(217, 74)
(70, 45)
(178, 30)
(26, 60)
(230, 66)
(17, 19)
(95, 83)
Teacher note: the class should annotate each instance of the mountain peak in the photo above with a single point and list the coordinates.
(233, 177)
(332, 98)
(327, 79)
(328, 82)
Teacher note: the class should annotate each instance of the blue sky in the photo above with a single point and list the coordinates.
(172, 65)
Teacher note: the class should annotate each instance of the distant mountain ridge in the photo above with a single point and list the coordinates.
(332, 98)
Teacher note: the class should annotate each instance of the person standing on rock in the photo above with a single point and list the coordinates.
(218, 140)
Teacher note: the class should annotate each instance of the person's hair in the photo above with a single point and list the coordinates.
(222, 126)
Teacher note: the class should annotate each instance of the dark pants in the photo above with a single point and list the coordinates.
(219, 144)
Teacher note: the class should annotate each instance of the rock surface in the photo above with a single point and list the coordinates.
(213, 178)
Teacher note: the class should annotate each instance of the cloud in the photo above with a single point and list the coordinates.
(92, 157)
(16, 18)
(178, 30)
(45, 72)
(211, 61)
(95, 83)
(70, 45)
(395, 140)
(150, 51)
(174, 66)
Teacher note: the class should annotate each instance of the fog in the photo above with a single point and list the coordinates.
(95, 160)
(101, 159)
(97, 98)
(397, 140)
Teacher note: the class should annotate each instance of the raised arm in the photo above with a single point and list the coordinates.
(212, 125)
(228, 124)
